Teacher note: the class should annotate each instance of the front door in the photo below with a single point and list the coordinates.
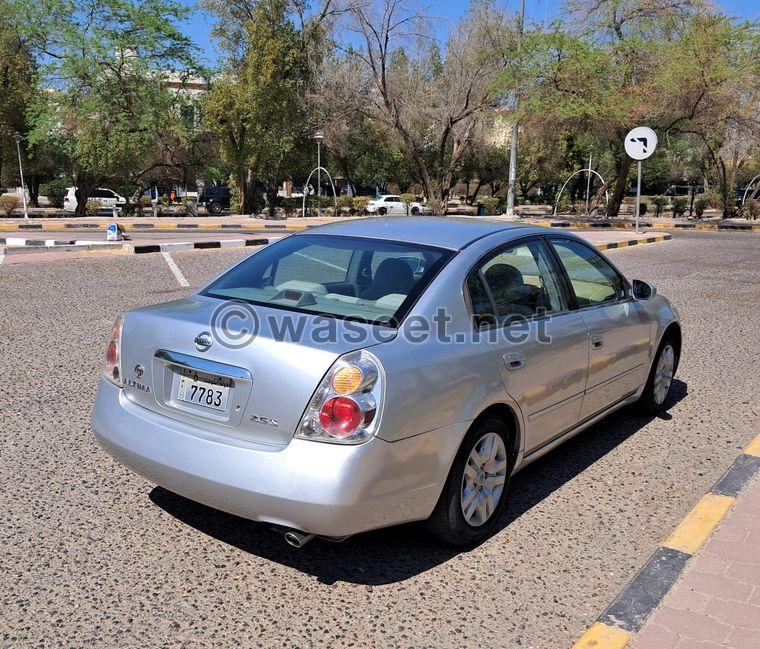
(619, 330)
(540, 345)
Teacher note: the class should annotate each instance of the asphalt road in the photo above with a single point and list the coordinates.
(93, 555)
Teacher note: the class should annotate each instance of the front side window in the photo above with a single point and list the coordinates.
(521, 284)
(346, 277)
(593, 280)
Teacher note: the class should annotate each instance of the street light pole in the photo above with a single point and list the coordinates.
(515, 131)
(319, 136)
(18, 138)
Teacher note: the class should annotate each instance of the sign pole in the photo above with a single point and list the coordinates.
(638, 199)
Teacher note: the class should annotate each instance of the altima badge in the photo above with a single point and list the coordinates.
(203, 341)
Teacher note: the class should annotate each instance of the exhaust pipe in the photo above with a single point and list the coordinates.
(297, 539)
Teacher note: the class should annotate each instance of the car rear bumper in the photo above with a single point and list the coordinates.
(325, 489)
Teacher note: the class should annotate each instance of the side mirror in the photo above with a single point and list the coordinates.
(643, 290)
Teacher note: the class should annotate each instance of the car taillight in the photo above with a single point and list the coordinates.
(346, 407)
(112, 368)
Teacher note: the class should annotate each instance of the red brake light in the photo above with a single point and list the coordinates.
(340, 416)
(112, 369)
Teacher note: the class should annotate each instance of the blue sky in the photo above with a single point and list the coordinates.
(199, 26)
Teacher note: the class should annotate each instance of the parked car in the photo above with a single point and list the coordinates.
(215, 198)
(107, 199)
(392, 205)
(374, 424)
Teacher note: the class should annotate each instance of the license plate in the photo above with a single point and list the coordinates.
(204, 390)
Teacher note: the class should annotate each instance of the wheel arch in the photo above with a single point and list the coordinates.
(673, 330)
(506, 413)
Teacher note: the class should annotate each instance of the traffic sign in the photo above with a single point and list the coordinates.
(640, 142)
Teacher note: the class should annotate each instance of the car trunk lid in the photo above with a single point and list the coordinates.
(260, 384)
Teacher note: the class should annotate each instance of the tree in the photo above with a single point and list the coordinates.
(102, 69)
(256, 107)
(709, 78)
(393, 73)
(17, 68)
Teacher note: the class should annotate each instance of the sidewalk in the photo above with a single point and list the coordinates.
(716, 602)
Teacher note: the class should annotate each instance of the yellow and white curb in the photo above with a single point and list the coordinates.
(625, 617)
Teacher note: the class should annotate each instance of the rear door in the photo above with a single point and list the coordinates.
(619, 328)
(541, 345)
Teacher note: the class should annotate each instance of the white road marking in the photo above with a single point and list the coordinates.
(2, 256)
(175, 269)
(321, 261)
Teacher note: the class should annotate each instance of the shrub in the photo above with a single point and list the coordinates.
(491, 205)
(679, 206)
(700, 204)
(92, 207)
(436, 206)
(407, 200)
(56, 190)
(360, 203)
(714, 201)
(324, 201)
(659, 202)
(751, 208)
(8, 203)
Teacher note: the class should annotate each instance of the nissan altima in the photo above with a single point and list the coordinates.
(379, 371)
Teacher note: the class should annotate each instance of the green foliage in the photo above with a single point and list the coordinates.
(679, 206)
(700, 204)
(255, 107)
(659, 202)
(111, 106)
(8, 203)
(751, 209)
(56, 190)
(407, 200)
(92, 207)
(360, 204)
(492, 205)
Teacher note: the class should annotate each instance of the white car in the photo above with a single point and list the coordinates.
(393, 205)
(107, 199)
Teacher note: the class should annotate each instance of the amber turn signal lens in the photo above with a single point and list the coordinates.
(347, 380)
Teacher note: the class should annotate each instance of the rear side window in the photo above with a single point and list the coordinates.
(593, 280)
(521, 282)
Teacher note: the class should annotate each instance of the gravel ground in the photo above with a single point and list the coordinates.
(94, 555)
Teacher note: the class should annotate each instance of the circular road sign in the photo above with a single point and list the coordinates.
(640, 142)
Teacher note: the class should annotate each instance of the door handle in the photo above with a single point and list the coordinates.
(514, 361)
(597, 342)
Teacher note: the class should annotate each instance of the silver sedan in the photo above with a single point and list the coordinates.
(379, 371)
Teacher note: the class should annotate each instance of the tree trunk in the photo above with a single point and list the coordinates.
(478, 187)
(622, 167)
(33, 186)
(242, 190)
(272, 199)
(248, 206)
(84, 188)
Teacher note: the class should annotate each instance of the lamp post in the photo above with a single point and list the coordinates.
(18, 138)
(319, 136)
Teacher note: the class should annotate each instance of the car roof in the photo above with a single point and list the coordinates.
(450, 232)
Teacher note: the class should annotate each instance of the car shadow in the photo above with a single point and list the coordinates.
(394, 554)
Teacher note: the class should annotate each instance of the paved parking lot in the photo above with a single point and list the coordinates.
(94, 555)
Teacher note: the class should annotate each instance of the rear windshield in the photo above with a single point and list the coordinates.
(346, 277)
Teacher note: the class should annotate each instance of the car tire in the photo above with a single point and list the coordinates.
(415, 211)
(382, 211)
(660, 381)
(214, 207)
(454, 520)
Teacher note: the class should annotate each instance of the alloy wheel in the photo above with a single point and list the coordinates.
(485, 473)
